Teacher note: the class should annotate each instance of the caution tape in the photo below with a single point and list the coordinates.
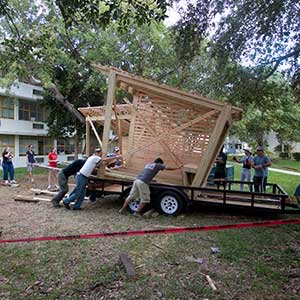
(152, 232)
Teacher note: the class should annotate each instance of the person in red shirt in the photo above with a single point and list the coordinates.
(52, 162)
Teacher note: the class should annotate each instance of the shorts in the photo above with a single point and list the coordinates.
(29, 167)
(140, 190)
(297, 191)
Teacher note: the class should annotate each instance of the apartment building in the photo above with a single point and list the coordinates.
(23, 122)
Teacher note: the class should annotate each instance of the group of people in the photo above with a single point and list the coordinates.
(259, 162)
(83, 169)
(9, 170)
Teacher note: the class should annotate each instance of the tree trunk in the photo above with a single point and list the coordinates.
(70, 107)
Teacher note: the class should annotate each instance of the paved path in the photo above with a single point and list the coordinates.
(285, 171)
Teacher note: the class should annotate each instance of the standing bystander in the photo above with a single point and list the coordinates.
(7, 165)
(246, 169)
(30, 160)
(260, 163)
(52, 162)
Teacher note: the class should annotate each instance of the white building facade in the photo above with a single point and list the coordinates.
(23, 122)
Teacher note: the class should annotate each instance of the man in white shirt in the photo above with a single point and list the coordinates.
(82, 180)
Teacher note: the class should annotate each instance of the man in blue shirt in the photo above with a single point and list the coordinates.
(260, 163)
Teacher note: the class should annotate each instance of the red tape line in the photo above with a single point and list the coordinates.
(153, 232)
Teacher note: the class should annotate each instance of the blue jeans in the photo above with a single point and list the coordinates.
(8, 168)
(79, 191)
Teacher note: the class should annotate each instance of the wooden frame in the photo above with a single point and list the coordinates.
(161, 121)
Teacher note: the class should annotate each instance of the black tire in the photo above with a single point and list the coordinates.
(170, 203)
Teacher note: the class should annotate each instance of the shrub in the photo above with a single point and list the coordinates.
(283, 155)
(296, 156)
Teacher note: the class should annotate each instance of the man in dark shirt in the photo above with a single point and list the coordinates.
(220, 168)
(140, 188)
(63, 177)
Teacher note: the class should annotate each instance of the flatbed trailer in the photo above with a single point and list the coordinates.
(173, 199)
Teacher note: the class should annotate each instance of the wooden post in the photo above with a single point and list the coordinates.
(94, 130)
(215, 143)
(132, 124)
(108, 110)
(87, 138)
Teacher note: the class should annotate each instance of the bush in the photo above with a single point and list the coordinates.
(284, 155)
(296, 156)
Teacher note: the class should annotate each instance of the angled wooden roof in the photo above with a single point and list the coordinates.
(133, 83)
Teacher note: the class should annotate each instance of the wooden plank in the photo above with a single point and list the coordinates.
(87, 138)
(108, 110)
(94, 130)
(30, 199)
(126, 261)
(214, 146)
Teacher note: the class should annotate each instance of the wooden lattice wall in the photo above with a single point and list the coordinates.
(183, 129)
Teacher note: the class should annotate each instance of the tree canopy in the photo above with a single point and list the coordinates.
(242, 52)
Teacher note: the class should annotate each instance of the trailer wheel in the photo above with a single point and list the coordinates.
(134, 205)
(170, 203)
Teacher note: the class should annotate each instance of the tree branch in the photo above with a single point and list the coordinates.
(280, 59)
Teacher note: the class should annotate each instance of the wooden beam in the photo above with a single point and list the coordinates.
(126, 261)
(132, 122)
(215, 143)
(95, 131)
(102, 118)
(108, 110)
(87, 138)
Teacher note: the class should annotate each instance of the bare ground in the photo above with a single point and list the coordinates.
(164, 264)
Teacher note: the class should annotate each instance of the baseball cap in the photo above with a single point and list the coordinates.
(98, 150)
(248, 149)
(117, 149)
(260, 148)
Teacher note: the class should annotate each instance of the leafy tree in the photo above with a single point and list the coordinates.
(264, 32)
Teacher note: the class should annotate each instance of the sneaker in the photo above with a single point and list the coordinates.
(13, 182)
(55, 204)
(122, 211)
(6, 182)
(67, 206)
(32, 180)
(137, 215)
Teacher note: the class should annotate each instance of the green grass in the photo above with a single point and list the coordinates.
(22, 172)
(285, 164)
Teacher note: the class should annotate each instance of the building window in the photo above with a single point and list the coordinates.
(37, 92)
(7, 140)
(41, 145)
(65, 146)
(6, 108)
(37, 126)
(31, 111)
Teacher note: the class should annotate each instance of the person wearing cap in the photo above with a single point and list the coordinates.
(82, 179)
(246, 169)
(260, 163)
(116, 163)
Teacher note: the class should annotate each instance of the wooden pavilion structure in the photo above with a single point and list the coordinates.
(184, 129)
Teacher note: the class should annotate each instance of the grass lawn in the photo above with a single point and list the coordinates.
(286, 164)
(22, 172)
